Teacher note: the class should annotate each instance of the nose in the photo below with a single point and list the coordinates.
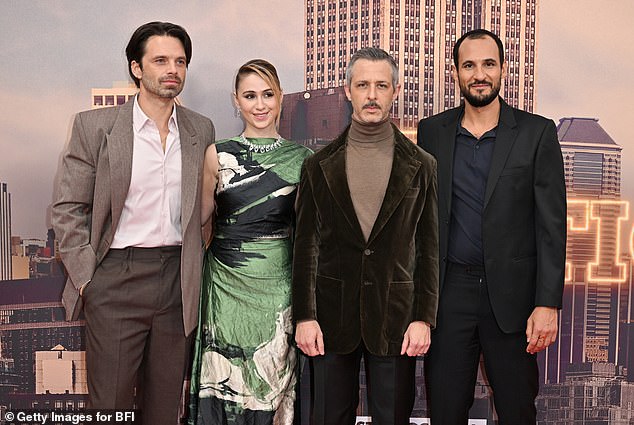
(172, 67)
(372, 92)
(479, 73)
(259, 102)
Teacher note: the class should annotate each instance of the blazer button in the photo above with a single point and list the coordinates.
(444, 259)
(367, 252)
(367, 283)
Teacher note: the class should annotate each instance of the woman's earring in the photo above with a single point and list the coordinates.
(237, 112)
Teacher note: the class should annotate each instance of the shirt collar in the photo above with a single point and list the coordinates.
(139, 119)
(464, 132)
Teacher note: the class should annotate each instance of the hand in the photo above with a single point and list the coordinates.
(82, 287)
(417, 339)
(541, 329)
(309, 338)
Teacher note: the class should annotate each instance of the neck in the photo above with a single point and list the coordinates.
(370, 132)
(479, 120)
(158, 109)
(264, 132)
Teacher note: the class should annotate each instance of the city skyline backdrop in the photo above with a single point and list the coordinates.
(587, 374)
(56, 52)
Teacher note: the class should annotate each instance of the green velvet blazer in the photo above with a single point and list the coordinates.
(366, 290)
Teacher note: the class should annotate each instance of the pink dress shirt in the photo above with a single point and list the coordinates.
(151, 215)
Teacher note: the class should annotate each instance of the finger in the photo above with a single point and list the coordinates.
(405, 344)
(532, 344)
(311, 349)
(417, 348)
(413, 349)
(549, 341)
(304, 349)
(529, 330)
(320, 344)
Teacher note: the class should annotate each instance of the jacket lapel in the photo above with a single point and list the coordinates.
(446, 146)
(120, 147)
(504, 140)
(189, 167)
(404, 169)
(334, 169)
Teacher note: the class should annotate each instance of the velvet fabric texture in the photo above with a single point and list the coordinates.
(372, 290)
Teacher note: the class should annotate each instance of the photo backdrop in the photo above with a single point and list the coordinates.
(55, 53)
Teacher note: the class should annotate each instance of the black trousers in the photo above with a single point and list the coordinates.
(134, 333)
(390, 383)
(465, 328)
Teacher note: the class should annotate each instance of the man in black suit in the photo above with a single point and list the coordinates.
(502, 238)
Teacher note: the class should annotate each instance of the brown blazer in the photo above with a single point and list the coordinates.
(372, 290)
(94, 182)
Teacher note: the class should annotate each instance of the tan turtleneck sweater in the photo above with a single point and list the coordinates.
(369, 155)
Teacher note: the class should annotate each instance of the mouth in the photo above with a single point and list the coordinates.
(261, 117)
(480, 86)
(171, 81)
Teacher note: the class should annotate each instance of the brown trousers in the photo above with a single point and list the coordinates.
(134, 333)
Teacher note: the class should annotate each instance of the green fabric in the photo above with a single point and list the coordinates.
(243, 351)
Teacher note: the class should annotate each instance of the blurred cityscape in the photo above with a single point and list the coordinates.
(586, 377)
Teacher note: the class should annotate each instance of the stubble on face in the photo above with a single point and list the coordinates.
(157, 88)
(480, 71)
(163, 67)
(371, 91)
(479, 100)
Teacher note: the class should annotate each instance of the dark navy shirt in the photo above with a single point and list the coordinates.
(471, 163)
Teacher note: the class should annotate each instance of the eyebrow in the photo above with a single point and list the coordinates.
(163, 56)
(254, 91)
(368, 81)
(483, 60)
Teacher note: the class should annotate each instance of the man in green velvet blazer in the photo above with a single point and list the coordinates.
(365, 270)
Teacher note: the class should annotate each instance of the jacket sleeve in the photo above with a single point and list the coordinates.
(550, 219)
(426, 271)
(72, 208)
(305, 250)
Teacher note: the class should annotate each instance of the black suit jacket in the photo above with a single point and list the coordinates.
(524, 215)
(357, 289)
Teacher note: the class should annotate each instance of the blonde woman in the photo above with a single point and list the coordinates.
(244, 368)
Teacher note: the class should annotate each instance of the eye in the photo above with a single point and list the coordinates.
(160, 60)
(181, 62)
(382, 86)
(269, 94)
(467, 65)
(490, 64)
(362, 85)
(249, 96)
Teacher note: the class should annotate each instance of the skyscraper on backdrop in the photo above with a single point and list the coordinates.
(5, 233)
(596, 314)
(420, 35)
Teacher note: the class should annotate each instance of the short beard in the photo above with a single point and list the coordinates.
(165, 93)
(478, 101)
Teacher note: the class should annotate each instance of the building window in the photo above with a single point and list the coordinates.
(109, 100)
(97, 100)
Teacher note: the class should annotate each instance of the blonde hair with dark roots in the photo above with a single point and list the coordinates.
(268, 73)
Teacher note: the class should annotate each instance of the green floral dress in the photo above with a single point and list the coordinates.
(244, 368)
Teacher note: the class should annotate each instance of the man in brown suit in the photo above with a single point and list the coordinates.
(127, 218)
(365, 271)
